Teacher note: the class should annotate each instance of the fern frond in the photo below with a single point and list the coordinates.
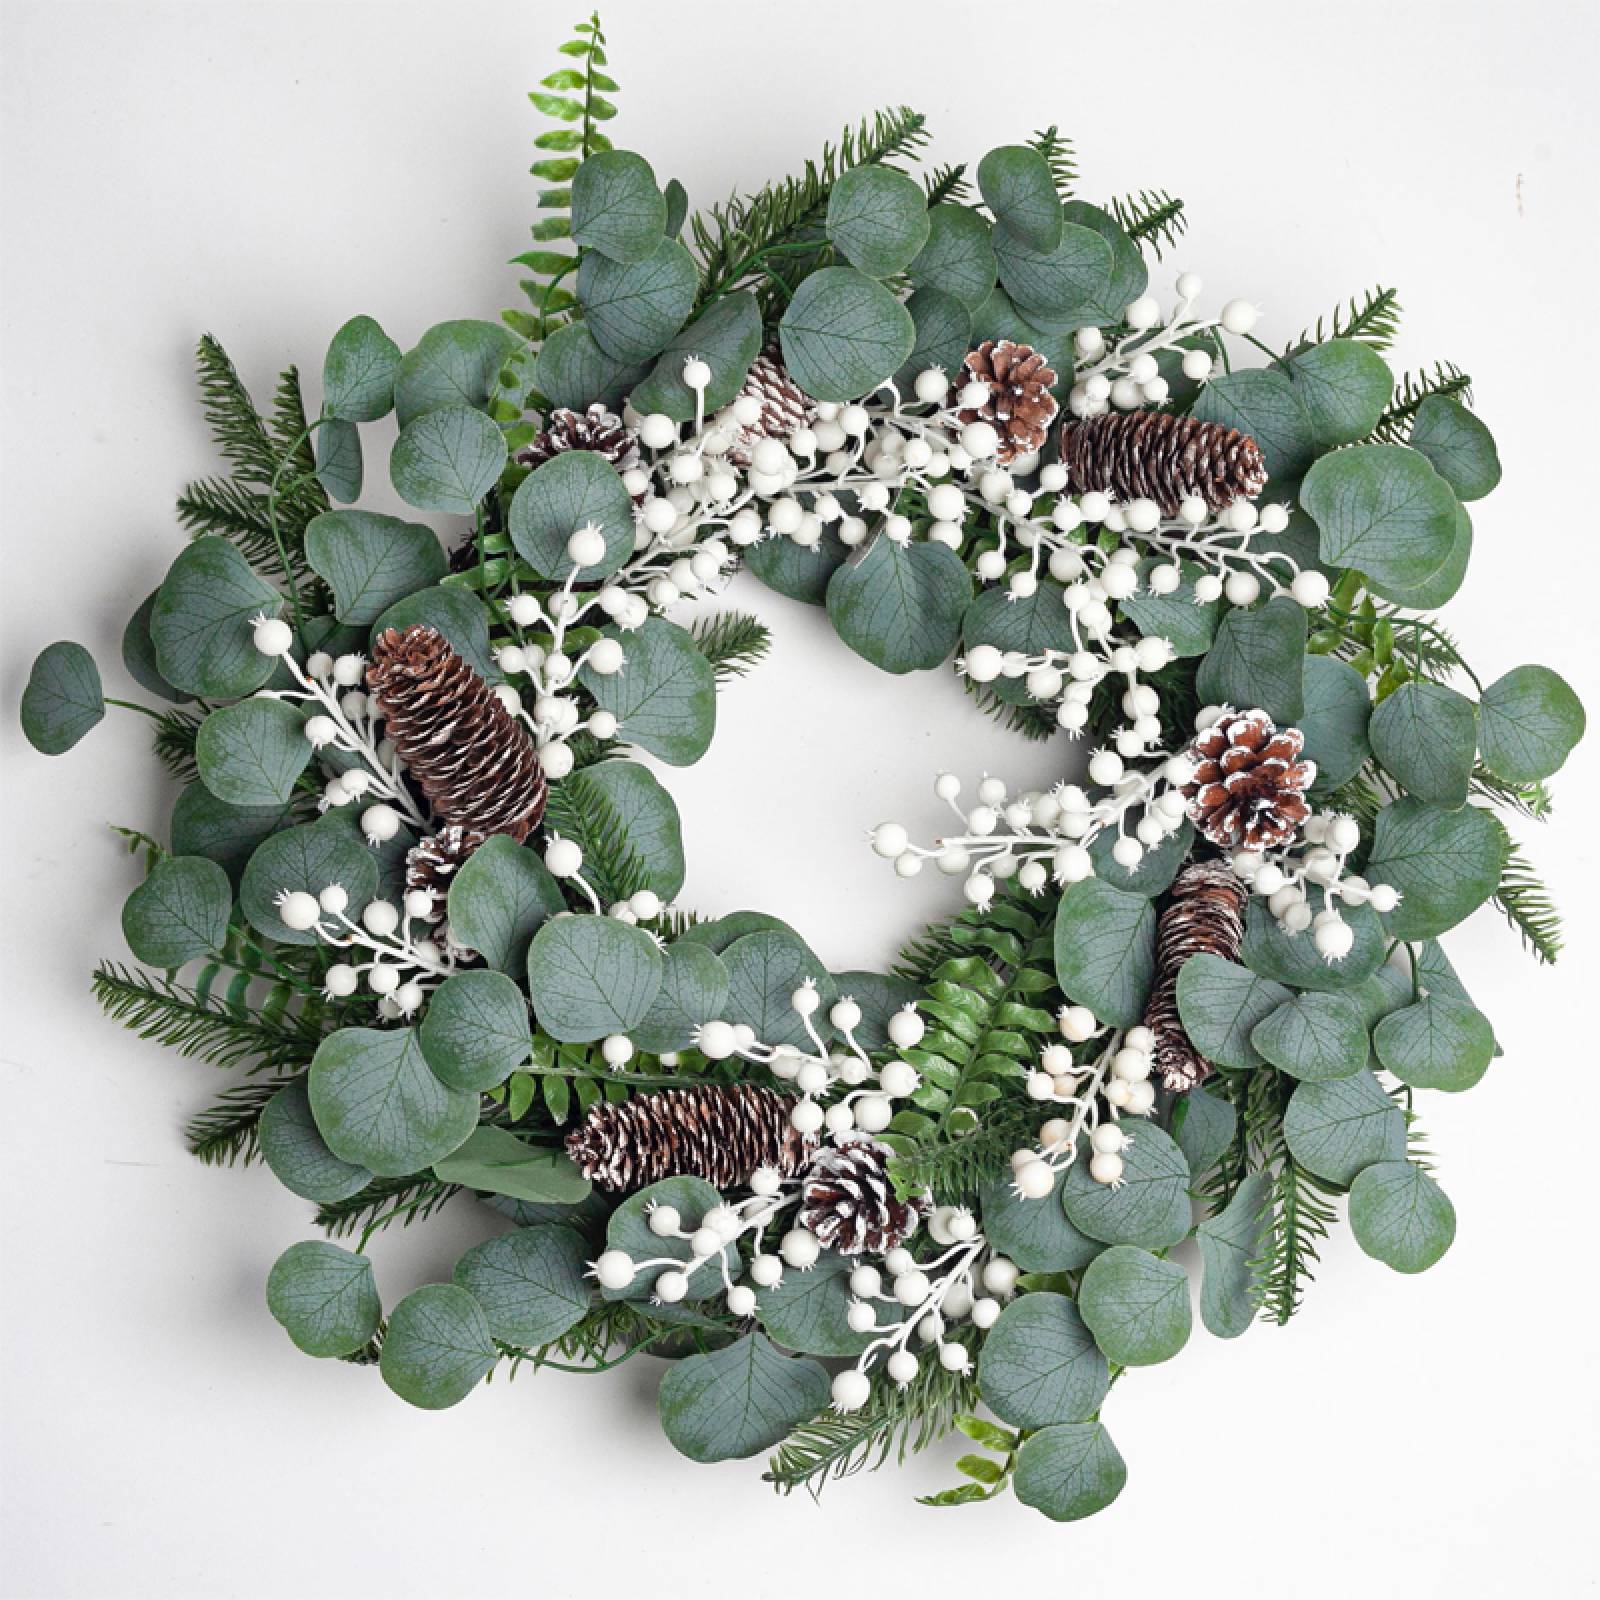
(385, 1201)
(227, 1131)
(1373, 318)
(1059, 156)
(1151, 216)
(1525, 902)
(1394, 426)
(732, 641)
(895, 1422)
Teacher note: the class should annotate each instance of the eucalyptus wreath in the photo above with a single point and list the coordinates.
(417, 890)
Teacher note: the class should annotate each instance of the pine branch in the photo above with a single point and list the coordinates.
(1525, 903)
(227, 1131)
(895, 1421)
(733, 642)
(947, 183)
(579, 809)
(196, 1026)
(1530, 800)
(1394, 426)
(1033, 721)
(1373, 318)
(1059, 156)
(1153, 217)
(174, 743)
(1298, 1220)
(383, 1202)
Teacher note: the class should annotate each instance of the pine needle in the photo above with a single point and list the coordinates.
(733, 642)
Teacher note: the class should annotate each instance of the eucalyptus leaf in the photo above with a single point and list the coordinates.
(1314, 1037)
(1156, 868)
(454, 364)
(475, 1031)
(1033, 1233)
(800, 572)
(1031, 624)
(63, 699)
(1150, 1207)
(694, 987)
(1059, 289)
(629, 1232)
(727, 337)
(456, 613)
(624, 801)
(1345, 387)
(253, 752)
(1528, 722)
(1040, 1365)
(530, 1283)
(376, 1103)
(1221, 1004)
(1437, 1043)
(1204, 1126)
(324, 1297)
(1189, 626)
(573, 371)
(843, 334)
(1426, 736)
(499, 899)
(1129, 277)
(496, 1161)
(179, 912)
(139, 656)
(1265, 405)
(740, 1400)
(572, 490)
(665, 696)
(1293, 958)
(877, 219)
(438, 1347)
(370, 561)
(900, 606)
(1460, 447)
(764, 970)
(1337, 1128)
(1444, 582)
(1444, 863)
(1136, 1305)
(617, 207)
(958, 258)
(1105, 942)
(1018, 188)
(590, 976)
(359, 372)
(1334, 717)
(1070, 1471)
(339, 464)
(634, 308)
(299, 1158)
(447, 460)
(309, 858)
(1257, 659)
(202, 622)
(1230, 1242)
(944, 335)
(808, 1311)
(880, 996)
(1401, 1217)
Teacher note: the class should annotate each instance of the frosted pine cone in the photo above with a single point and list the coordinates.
(1205, 916)
(848, 1201)
(721, 1133)
(596, 430)
(785, 406)
(431, 865)
(1249, 784)
(1020, 406)
(1151, 455)
(474, 761)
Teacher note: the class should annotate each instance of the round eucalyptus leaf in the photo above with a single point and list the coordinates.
(1128, 277)
(1528, 722)
(694, 988)
(1150, 1206)
(1444, 863)
(296, 1153)
(1427, 737)
(253, 752)
(1334, 716)
(1136, 1305)
(1203, 1125)
(377, 1105)
(179, 912)
(324, 1297)
(1157, 867)
(1258, 659)
(309, 857)
(617, 206)
(573, 371)
(63, 699)
(1221, 1003)
(371, 561)
(1230, 1242)
(1105, 950)
(139, 653)
(879, 996)
(1438, 1043)
(1263, 403)
(900, 606)
(1033, 1233)
(530, 1283)
(340, 469)
(1315, 1037)
(764, 970)
(633, 308)
(1070, 1471)
(1337, 1128)
(454, 364)
(1444, 582)
(498, 900)
(958, 258)
(944, 335)
(447, 460)
(718, 934)
(475, 1031)
(590, 976)
(1017, 186)
(809, 1311)
(665, 696)
(1460, 447)
(799, 572)
(1401, 1217)
(1059, 289)
(573, 490)
(727, 337)
(1345, 386)
(877, 219)
(1040, 1364)
(203, 825)
(359, 372)
(843, 334)
(1294, 959)
(740, 1400)
(438, 1347)
(201, 623)
(1187, 624)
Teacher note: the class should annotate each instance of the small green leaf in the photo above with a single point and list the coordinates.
(1337, 1128)
(1136, 1305)
(1221, 1004)
(573, 490)
(877, 219)
(1315, 1037)
(1460, 447)
(633, 308)
(1261, 402)
(944, 335)
(1426, 736)
(958, 257)
(1149, 1207)
(740, 1400)
(253, 752)
(63, 699)
(499, 899)
(808, 1311)
(1105, 943)
(438, 1347)
(1229, 1242)
(1528, 722)
(371, 561)
(900, 606)
(1401, 1217)
(497, 1162)
(617, 208)
(1070, 1471)
(694, 987)
(665, 696)
(843, 334)
(359, 372)
(309, 857)
(179, 912)
(1334, 718)
(297, 1155)
(590, 976)
(1444, 863)
(454, 364)
(139, 655)
(202, 625)
(1438, 1043)
(1258, 659)
(475, 1030)
(324, 1297)
(1033, 1233)
(1189, 626)
(1345, 386)
(1204, 1126)
(727, 337)
(1040, 1364)
(447, 460)
(1017, 187)
(339, 465)
(530, 1283)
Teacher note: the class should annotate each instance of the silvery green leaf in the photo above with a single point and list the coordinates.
(694, 986)
(617, 207)
(359, 372)
(179, 912)
(139, 654)
(456, 613)
(1444, 863)
(1528, 722)
(1149, 1207)
(634, 308)
(1220, 1003)
(1033, 1233)
(309, 857)
(1334, 716)
(1460, 447)
(1157, 867)
(1257, 659)
(877, 219)
(958, 257)
(475, 1030)
(629, 1232)
(438, 1347)
(1315, 1037)
(1017, 187)
(1105, 941)
(339, 465)
(495, 1161)
(324, 1297)
(63, 698)
(1426, 736)
(1136, 1305)
(1337, 1128)
(944, 335)
(590, 976)
(1437, 1043)
(202, 626)
(1266, 405)
(625, 799)
(573, 370)
(727, 337)
(297, 1155)
(572, 490)
(1040, 1364)
(1229, 1242)
(1293, 958)
(1129, 276)
(530, 1283)
(1203, 1126)
(253, 752)
(1401, 1217)
(764, 970)
(900, 606)
(1070, 1471)
(499, 899)
(1345, 386)
(454, 364)
(1059, 289)
(808, 1311)
(370, 561)
(1188, 626)
(740, 1400)
(203, 825)
(843, 334)
(447, 460)
(665, 696)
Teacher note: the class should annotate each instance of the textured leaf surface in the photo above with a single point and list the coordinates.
(297, 1154)
(1401, 1217)
(665, 696)
(843, 334)
(1529, 720)
(1229, 1242)
(251, 753)
(590, 976)
(1070, 1472)
(1257, 659)
(371, 561)
(475, 1030)
(438, 1347)
(447, 460)
(201, 622)
(1040, 1364)
(63, 698)
(900, 606)
(530, 1283)
(309, 857)
(740, 1400)
(496, 1161)
(1427, 737)
(1150, 1207)
(179, 912)
(1105, 943)
(1444, 863)
(499, 899)
(324, 1297)
(1136, 1305)
(1336, 1129)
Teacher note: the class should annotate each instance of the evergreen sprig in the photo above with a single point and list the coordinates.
(174, 740)
(1152, 217)
(1059, 156)
(1445, 377)
(733, 642)
(1525, 902)
(227, 1132)
(579, 809)
(1373, 318)
(384, 1202)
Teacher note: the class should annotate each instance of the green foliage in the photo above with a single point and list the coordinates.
(1522, 898)
(63, 698)
(227, 1132)
(408, 1199)
(1151, 216)
(1373, 318)
(1444, 377)
(1059, 157)
(732, 641)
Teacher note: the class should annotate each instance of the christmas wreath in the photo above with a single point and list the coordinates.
(416, 890)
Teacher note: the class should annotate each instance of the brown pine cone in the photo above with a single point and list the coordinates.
(432, 863)
(597, 430)
(1248, 789)
(474, 761)
(721, 1133)
(1150, 455)
(785, 406)
(1020, 406)
(848, 1201)
(1205, 916)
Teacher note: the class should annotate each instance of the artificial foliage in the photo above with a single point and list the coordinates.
(419, 896)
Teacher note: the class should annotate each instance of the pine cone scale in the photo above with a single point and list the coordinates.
(1249, 784)
(1020, 406)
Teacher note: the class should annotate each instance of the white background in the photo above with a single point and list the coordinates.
(265, 171)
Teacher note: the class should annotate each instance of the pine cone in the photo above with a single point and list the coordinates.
(1020, 405)
(1151, 455)
(1204, 917)
(716, 1132)
(849, 1203)
(785, 406)
(597, 430)
(431, 863)
(476, 764)
(1248, 790)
